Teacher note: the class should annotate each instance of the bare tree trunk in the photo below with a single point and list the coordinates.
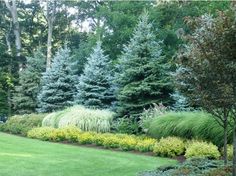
(49, 44)
(9, 113)
(16, 27)
(51, 12)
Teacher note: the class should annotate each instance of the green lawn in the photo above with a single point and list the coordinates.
(27, 157)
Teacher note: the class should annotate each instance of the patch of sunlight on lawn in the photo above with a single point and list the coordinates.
(16, 154)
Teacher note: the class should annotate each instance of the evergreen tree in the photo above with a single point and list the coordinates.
(94, 87)
(141, 76)
(58, 83)
(181, 103)
(25, 96)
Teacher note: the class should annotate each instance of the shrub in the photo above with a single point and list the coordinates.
(190, 125)
(202, 149)
(86, 138)
(169, 147)
(21, 124)
(111, 141)
(107, 140)
(145, 145)
(43, 133)
(229, 152)
(125, 125)
(83, 118)
(128, 143)
(192, 167)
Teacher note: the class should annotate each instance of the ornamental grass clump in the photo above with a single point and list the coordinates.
(81, 117)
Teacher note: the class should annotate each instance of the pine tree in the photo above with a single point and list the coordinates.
(181, 103)
(25, 96)
(58, 83)
(141, 77)
(94, 87)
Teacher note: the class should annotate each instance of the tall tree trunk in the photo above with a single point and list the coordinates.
(9, 51)
(49, 43)
(51, 12)
(16, 28)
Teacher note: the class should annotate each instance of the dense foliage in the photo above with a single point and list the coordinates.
(25, 96)
(142, 76)
(22, 124)
(95, 84)
(58, 83)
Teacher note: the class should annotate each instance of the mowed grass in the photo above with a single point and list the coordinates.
(28, 157)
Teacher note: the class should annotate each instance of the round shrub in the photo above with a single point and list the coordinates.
(202, 149)
(169, 147)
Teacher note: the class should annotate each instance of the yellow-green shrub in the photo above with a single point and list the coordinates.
(145, 145)
(71, 133)
(111, 141)
(128, 143)
(229, 152)
(202, 149)
(169, 147)
(43, 133)
(86, 137)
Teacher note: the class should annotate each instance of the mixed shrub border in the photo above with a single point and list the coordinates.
(165, 147)
(21, 124)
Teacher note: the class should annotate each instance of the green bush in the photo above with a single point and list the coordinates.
(83, 118)
(21, 124)
(169, 147)
(190, 125)
(202, 149)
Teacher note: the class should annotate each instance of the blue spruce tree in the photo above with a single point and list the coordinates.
(142, 73)
(58, 83)
(94, 87)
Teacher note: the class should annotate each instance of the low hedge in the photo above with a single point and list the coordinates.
(189, 125)
(21, 124)
(168, 147)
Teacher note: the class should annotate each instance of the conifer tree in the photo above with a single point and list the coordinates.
(141, 77)
(94, 87)
(58, 83)
(25, 96)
